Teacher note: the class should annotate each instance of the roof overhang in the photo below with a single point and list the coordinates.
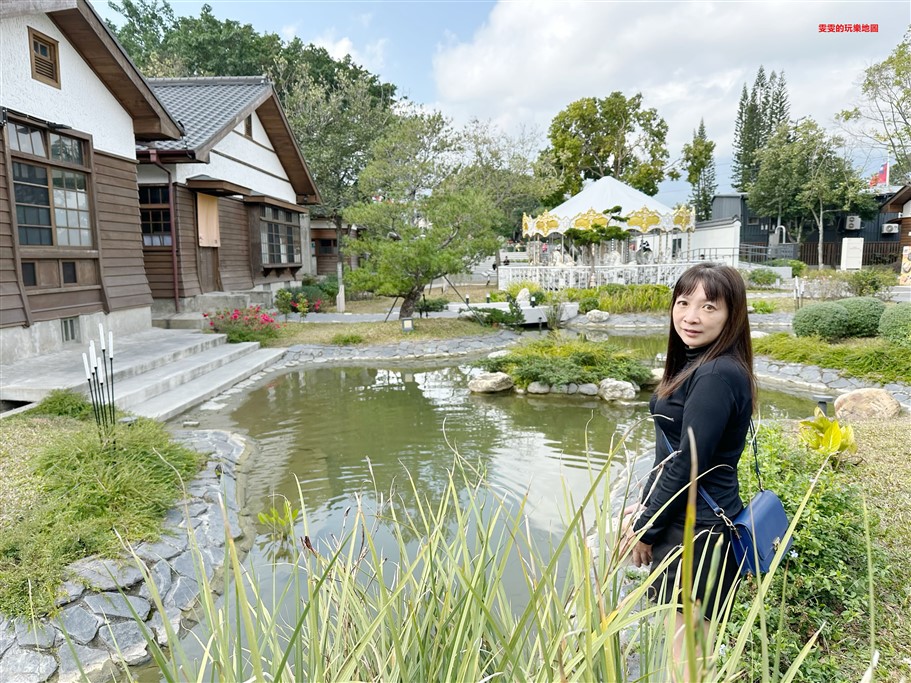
(91, 38)
(214, 186)
(897, 201)
(273, 201)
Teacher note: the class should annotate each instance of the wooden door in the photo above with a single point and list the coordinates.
(208, 269)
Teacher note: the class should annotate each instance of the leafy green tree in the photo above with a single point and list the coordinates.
(883, 117)
(758, 116)
(611, 136)
(699, 164)
(417, 225)
(803, 173)
(504, 167)
(147, 25)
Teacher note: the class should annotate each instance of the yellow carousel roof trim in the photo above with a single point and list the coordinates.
(644, 220)
(588, 219)
(684, 219)
(545, 224)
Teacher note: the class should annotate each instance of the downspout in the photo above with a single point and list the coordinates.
(153, 156)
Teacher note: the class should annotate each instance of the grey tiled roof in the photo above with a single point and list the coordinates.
(205, 105)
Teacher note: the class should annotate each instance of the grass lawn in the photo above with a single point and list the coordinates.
(885, 478)
(378, 332)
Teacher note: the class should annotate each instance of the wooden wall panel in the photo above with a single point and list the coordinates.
(158, 272)
(12, 306)
(234, 252)
(187, 243)
(120, 230)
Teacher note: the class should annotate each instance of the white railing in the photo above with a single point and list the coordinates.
(581, 277)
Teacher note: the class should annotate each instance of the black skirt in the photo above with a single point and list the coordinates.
(709, 592)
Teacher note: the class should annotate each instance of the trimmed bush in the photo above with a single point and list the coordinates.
(864, 313)
(895, 325)
(870, 282)
(434, 305)
(798, 268)
(762, 277)
(827, 320)
(589, 303)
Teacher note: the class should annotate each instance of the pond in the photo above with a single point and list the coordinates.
(325, 436)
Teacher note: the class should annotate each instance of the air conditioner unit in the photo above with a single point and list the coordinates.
(853, 223)
(890, 229)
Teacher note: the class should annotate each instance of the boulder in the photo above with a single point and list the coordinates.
(758, 334)
(867, 404)
(490, 383)
(615, 389)
(596, 316)
(655, 379)
(588, 389)
(524, 296)
(538, 388)
(499, 354)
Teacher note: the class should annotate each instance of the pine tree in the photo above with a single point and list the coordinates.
(740, 163)
(758, 116)
(699, 162)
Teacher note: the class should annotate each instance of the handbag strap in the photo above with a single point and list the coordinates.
(716, 508)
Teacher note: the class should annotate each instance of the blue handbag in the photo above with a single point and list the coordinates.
(758, 530)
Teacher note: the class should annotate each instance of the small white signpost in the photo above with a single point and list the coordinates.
(852, 253)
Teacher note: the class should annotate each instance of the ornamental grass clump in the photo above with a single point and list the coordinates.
(827, 320)
(461, 588)
(250, 324)
(864, 313)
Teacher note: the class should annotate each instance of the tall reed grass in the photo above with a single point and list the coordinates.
(443, 603)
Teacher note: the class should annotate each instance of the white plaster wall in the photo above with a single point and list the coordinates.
(232, 170)
(259, 133)
(82, 101)
(148, 174)
(725, 239)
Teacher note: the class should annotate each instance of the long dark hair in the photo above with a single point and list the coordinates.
(721, 283)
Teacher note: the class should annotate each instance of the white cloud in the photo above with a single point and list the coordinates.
(288, 31)
(531, 59)
(372, 57)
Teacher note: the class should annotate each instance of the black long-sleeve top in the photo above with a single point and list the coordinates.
(716, 401)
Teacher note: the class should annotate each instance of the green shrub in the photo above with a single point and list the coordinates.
(762, 277)
(863, 315)
(589, 303)
(316, 298)
(250, 324)
(762, 307)
(798, 268)
(65, 403)
(287, 302)
(434, 305)
(870, 282)
(347, 339)
(498, 296)
(514, 317)
(826, 320)
(329, 285)
(895, 325)
(825, 577)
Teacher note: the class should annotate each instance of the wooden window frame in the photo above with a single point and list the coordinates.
(53, 60)
(293, 227)
(166, 206)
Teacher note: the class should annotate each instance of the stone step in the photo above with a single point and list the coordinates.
(33, 378)
(181, 321)
(190, 393)
(136, 390)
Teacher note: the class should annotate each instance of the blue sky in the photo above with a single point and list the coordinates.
(519, 62)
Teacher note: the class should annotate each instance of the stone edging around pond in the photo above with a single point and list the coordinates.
(95, 619)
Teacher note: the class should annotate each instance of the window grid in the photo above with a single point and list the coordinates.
(155, 215)
(52, 204)
(280, 231)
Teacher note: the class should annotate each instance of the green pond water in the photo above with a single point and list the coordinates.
(326, 436)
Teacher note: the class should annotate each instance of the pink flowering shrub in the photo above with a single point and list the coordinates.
(244, 325)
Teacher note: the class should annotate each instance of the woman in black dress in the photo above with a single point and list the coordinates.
(708, 387)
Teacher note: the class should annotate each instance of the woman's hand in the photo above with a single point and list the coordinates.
(642, 554)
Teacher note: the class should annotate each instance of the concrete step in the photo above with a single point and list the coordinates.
(181, 321)
(214, 301)
(33, 378)
(138, 389)
(190, 393)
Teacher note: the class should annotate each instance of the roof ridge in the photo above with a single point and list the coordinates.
(212, 80)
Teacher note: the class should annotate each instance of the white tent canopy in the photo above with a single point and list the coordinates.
(580, 211)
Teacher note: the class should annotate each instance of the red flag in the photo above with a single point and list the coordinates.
(882, 177)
